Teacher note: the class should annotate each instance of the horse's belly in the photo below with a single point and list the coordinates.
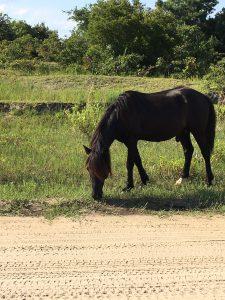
(162, 131)
(157, 138)
(160, 134)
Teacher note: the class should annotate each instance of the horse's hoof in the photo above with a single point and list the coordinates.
(181, 181)
(212, 183)
(128, 188)
(145, 180)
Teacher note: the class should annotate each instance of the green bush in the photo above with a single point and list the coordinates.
(88, 118)
(28, 66)
(99, 61)
(128, 64)
(191, 67)
(75, 69)
(215, 79)
(220, 110)
(24, 65)
(104, 62)
(47, 67)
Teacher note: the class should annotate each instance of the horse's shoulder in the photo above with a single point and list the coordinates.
(175, 92)
(177, 95)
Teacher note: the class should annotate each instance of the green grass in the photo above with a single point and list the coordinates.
(42, 162)
(42, 171)
(79, 88)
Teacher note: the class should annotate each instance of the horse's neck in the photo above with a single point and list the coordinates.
(105, 139)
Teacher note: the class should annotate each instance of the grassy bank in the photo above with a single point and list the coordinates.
(79, 88)
(42, 171)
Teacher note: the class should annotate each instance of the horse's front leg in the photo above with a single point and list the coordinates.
(134, 158)
(130, 167)
(138, 163)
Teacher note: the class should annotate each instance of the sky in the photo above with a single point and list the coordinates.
(51, 12)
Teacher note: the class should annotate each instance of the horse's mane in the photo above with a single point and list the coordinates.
(101, 125)
(99, 160)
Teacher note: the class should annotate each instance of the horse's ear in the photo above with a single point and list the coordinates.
(87, 150)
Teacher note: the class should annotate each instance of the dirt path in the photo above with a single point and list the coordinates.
(123, 257)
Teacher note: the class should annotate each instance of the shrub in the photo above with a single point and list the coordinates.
(47, 67)
(75, 69)
(215, 79)
(128, 64)
(220, 110)
(24, 65)
(99, 61)
(87, 119)
(28, 66)
(191, 67)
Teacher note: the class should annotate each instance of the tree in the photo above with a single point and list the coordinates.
(124, 37)
(217, 28)
(116, 24)
(193, 60)
(41, 31)
(50, 49)
(21, 28)
(81, 17)
(20, 48)
(6, 32)
(159, 4)
(160, 36)
(127, 28)
(74, 49)
(191, 12)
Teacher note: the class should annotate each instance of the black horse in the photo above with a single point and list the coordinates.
(152, 117)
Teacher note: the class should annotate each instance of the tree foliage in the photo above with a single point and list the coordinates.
(217, 28)
(191, 12)
(124, 37)
(6, 32)
(50, 49)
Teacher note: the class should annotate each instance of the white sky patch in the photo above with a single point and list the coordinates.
(68, 24)
(2, 8)
(64, 27)
(21, 11)
(54, 19)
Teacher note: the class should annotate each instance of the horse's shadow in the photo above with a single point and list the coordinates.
(193, 201)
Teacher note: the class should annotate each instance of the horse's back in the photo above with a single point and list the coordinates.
(154, 117)
(163, 115)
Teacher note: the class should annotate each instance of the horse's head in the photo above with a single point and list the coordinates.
(99, 167)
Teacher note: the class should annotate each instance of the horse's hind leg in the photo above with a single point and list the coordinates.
(206, 153)
(185, 140)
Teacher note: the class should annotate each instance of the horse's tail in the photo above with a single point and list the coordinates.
(211, 126)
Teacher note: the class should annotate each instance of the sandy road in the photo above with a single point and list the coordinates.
(116, 257)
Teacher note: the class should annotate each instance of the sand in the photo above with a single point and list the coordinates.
(113, 257)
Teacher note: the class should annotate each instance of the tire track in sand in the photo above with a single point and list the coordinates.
(108, 257)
